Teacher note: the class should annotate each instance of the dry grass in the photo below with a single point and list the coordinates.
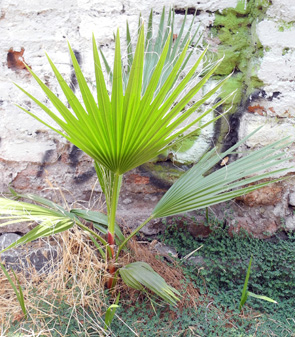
(77, 280)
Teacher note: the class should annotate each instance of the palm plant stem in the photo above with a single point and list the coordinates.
(113, 208)
(111, 227)
(110, 251)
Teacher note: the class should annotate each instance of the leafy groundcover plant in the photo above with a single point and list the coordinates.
(150, 107)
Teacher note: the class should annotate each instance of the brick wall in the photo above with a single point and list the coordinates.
(35, 159)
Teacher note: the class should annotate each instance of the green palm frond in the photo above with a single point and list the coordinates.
(196, 190)
(154, 47)
(99, 220)
(140, 275)
(50, 218)
(129, 128)
(49, 221)
(39, 200)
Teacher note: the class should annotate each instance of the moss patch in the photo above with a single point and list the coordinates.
(235, 28)
(162, 174)
(283, 25)
(241, 49)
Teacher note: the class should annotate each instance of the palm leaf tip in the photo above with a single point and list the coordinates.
(141, 276)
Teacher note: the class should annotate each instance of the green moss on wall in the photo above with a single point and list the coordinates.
(235, 29)
(283, 25)
(187, 142)
(163, 174)
(239, 45)
(241, 49)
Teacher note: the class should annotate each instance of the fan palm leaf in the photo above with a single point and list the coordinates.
(50, 218)
(128, 128)
(154, 47)
(50, 221)
(197, 189)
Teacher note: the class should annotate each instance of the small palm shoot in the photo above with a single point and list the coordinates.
(246, 292)
(147, 111)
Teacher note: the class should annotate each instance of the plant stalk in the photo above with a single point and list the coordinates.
(116, 184)
(114, 202)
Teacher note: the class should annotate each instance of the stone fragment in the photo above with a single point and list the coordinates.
(290, 222)
(198, 229)
(292, 199)
(25, 257)
(261, 229)
(165, 251)
(6, 240)
(153, 228)
(268, 195)
(127, 201)
(198, 261)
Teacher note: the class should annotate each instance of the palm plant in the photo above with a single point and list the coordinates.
(149, 108)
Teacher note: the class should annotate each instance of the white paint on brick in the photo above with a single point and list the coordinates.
(144, 6)
(277, 71)
(282, 10)
(272, 130)
(270, 36)
(30, 151)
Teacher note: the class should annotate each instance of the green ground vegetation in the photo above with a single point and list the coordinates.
(222, 274)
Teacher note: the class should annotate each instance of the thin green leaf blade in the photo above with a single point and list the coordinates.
(110, 313)
(261, 297)
(245, 288)
(102, 93)
(20, 296)
(18, 292)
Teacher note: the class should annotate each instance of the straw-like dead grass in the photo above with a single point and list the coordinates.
(77, 281)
